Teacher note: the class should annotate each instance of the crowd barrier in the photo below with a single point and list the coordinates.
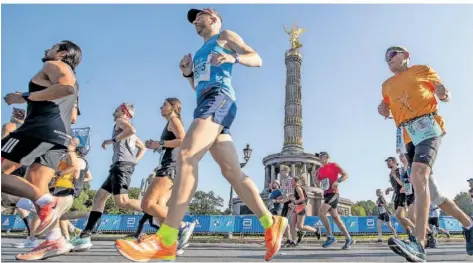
(245, 225)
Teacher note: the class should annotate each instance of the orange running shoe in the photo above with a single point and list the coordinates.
(48, 216)
(149, 248)
(273, 236)
(47, 249)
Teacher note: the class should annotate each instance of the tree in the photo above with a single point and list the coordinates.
(369, 206)
(358, 210)
(463, 201)
(206, 204)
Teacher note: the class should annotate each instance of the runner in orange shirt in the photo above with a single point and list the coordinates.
(410, 96)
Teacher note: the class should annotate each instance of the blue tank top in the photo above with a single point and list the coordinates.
(207, 75)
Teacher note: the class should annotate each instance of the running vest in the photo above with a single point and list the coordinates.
(65, 180)
(207, 75)
(397, 187)
(381, 209)
(124, 150)
(49, 121)
(170, 154)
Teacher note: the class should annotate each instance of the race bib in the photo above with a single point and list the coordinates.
(325, 184)
(423, 128)
(400, 146)
(202, 70)
(408, 188)
(381, 210)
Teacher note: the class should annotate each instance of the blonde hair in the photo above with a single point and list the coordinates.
(283, 167)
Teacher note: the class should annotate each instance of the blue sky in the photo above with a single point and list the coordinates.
(131, 53)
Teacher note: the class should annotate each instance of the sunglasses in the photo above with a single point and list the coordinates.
(391, 54)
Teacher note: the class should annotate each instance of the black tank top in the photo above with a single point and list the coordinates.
(169, 156)
(49, 120)
(297, 196)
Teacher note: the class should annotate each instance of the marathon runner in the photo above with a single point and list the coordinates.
(434, 220)
(328, 177)
(127, 152)
(45, 135)
(384, 216)
(298, 205)
(410, 95)
(157, 195)
(287, 188)
(209, 74)
(398, 186)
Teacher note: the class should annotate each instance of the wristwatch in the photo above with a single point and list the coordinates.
(339, 180)
(161, 143)
(26, 96)
(237, 58)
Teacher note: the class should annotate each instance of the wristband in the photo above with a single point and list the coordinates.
(161, 143)
(237, 58)
(114, 140)
(26, 96)
(188, 76)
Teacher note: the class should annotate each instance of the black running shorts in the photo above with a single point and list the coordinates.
(384, 217)
(26, 150)
(332, 199)
(119, 178)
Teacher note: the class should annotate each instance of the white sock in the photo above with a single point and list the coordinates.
(471, 225)
(54, 234)
(380, 236)
(44, 200)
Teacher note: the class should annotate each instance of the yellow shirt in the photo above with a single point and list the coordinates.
(411, 94)
(65, 180)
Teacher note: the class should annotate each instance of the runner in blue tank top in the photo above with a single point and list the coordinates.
(210, 74)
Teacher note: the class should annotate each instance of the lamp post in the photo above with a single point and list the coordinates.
(246, 156)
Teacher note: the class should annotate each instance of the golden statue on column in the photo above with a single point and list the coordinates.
(294, 34)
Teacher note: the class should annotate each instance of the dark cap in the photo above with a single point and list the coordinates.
(321, 153)
(192, 14)
(391, 158)
(470, 180)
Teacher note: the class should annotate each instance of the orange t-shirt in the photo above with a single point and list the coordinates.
(411, 94)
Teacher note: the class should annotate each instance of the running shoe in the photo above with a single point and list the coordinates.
(318, 233)
(329, 242)
(185, 233)
(81, 244)
(300, 236)
(28, 243)
(412, 251)
(468, 234)
(149, 248)
(379, 241)
(348, 243)
(273, 236)
(86, 234)
(48, 216)
(47, 249)
(57, 208)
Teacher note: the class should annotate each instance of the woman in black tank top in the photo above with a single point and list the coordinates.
(159, 191)
(299, 202)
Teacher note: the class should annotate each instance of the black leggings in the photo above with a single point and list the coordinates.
(141, 224)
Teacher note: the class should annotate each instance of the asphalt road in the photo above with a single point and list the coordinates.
(104, 251)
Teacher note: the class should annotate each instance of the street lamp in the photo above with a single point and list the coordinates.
(246, 156)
